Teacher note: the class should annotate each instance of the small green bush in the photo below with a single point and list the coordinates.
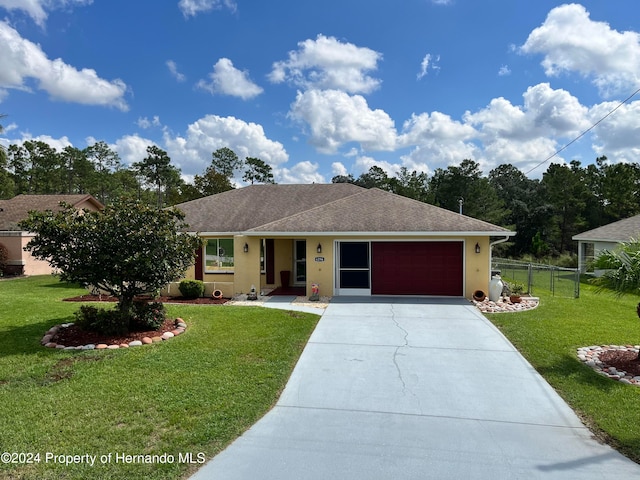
(145, 316)
(566, 260)
(148, 316)
(109, 322)
(191, 288)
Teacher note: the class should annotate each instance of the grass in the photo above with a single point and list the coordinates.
(559, 283)
(549, 336)
(191, 395)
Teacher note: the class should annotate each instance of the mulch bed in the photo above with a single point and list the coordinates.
(622, 360)
(195, 301)
(74, 336)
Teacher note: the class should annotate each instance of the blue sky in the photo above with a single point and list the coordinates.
(318, 89)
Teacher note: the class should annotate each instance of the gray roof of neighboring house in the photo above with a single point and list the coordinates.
(323, 208)
(17, 208)
(620, 231)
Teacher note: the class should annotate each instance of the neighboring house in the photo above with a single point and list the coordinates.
(16, 209)
(607, 237)
(347, 239)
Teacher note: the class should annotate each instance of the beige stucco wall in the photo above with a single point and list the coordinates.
(478, 265)
(320, 272)
(321, 267)
(87, 205)
(15, 243)
(247, 264)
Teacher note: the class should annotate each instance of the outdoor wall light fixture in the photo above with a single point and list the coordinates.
(319, 249)
(246, 248)
(477, 248)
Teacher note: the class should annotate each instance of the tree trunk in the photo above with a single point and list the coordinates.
(125, 307)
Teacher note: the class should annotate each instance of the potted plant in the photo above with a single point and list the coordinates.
(517, 289)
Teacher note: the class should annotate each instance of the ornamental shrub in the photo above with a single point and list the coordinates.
(116, 249)
(108, 322)
(191, 288)
(148, 316)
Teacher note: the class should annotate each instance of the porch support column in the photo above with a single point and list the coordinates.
(247, 264)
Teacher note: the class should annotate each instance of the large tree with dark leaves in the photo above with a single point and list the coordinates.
(528, 212)
(257, 171)
(127, 249)
(565, 189)
(465, 182)
(156, 170)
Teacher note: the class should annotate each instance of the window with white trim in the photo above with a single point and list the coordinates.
(218, 255)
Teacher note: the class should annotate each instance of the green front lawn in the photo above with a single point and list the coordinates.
(193, 394)
(549, 336)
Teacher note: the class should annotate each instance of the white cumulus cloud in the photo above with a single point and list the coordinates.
(335, 118)
(192, 151)
(571, 42)
(144, 122)
(38, 9)
(338, 168)
(57, 144)
(545, 112)
(499, 133)
(173, 68)
(191, 8)
(302, 172)
(228, 80)
(504, 71)
(437, 126)
(327, 63)
(132, 148)
(428, 62)
(22, 60)
(617, 137)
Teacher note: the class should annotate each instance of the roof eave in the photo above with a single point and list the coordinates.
(381, 234)
(578, 238)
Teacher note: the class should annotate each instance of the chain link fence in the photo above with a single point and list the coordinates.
(536, 277)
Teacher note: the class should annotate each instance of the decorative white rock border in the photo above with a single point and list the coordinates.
(504, 305)
(590, 356)
(180, 327)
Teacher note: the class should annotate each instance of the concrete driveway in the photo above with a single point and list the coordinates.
(391, 388)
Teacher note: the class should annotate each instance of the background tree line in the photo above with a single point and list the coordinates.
(545, 212)
(37, 168)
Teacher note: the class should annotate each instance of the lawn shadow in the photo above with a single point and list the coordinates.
(25, 339)
(572, 366)
(57, 283)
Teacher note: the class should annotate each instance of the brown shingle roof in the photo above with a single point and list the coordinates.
(18, 208)
(323, 208)
(245, 208)
(620, 231)
(378, 211)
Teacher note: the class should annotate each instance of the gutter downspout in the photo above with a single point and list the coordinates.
(491, 244)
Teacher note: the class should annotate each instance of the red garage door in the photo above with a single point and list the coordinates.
(416, 268)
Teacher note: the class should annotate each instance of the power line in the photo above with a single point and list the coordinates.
(583, 133)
